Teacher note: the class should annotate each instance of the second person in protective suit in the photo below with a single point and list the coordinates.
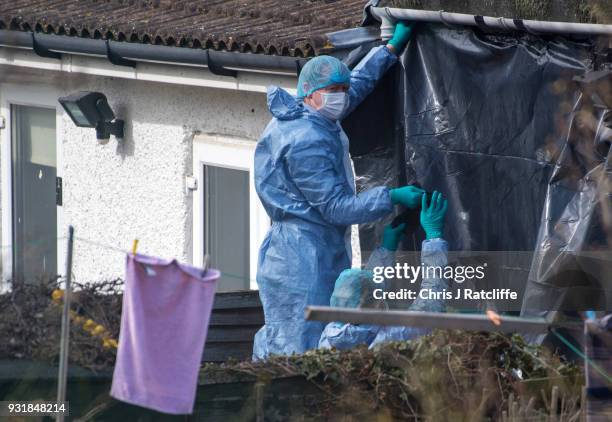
(304, 178)
(355, 286)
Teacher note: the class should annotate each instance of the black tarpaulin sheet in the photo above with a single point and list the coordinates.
(491, 121)
(571, 267)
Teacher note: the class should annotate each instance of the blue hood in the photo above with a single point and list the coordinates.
(283, 105)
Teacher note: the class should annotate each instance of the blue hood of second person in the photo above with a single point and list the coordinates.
(283, 105)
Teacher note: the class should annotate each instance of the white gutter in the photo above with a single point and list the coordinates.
(389, 16)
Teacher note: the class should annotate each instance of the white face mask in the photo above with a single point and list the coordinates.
(334, 104)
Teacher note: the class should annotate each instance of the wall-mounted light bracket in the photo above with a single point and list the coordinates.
(105, 129)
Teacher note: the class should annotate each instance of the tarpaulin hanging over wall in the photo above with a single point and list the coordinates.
(572, 263)
(490, 121)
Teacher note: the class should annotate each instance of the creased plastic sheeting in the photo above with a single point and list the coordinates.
(485, 120)
(481, 125)
(573, 260)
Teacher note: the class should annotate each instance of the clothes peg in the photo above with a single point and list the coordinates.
(134, 246)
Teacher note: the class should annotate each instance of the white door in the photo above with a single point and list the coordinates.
(35, 193)
(31, 183)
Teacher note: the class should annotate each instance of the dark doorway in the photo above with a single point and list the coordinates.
(34, 184)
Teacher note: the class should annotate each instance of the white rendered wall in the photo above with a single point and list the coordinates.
(114, 193)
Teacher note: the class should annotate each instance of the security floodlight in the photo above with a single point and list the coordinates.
(91, 109)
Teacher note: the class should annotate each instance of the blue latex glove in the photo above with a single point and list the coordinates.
(432, 215)
(401, 35)
(392, 236)
(408, 196)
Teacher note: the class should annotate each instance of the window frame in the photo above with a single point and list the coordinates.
(233, 153)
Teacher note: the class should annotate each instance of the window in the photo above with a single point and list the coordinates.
(229, 220)
(226, 225)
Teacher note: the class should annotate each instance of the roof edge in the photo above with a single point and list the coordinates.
(224, 63)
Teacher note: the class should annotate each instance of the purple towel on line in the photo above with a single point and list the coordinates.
(164, 321)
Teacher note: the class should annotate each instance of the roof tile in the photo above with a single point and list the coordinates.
(287, 27)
